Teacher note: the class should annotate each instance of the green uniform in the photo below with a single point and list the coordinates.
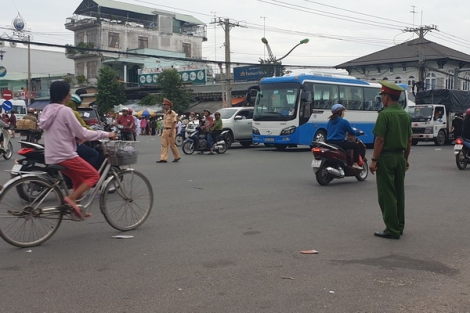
(394, 125)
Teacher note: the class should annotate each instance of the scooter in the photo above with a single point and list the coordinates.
(198, 142)
(6, 150)
(181, 136)
(462, 152)
(332, 162)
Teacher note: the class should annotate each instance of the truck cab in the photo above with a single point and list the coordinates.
(431, 122)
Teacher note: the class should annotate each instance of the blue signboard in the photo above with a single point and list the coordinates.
(7, 106)
(248, 73)
(3, 71)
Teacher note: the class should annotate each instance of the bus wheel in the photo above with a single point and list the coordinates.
(280, 147)
(320, 135)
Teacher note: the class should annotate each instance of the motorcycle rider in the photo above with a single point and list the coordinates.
(466, 125)
(127, 123)
(216, 129)
(84, 151)
(337, 130)
(206, 128)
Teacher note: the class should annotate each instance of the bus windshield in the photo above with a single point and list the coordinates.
(276, 102)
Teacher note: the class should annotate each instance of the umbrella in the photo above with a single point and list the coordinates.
(145, 113)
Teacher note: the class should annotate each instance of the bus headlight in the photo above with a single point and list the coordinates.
(428, 130)
(255, 131)
(288, 131)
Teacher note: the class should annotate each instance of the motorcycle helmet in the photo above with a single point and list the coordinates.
(217, 113)
(467, 112)
(130, 111)
(337, 107)
(76, 98)
(30, 110)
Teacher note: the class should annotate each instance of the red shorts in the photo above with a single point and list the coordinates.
(80, 171)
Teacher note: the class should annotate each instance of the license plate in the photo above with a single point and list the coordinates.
(458, 147)
(268, 139)
(316, 163)
(16, 168)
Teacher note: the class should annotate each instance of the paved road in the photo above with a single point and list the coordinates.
(225, 236)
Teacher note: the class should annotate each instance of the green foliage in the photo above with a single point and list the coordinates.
(272, 68)
(173, 89)
(110, 90)
(81, 79)
(149, 100)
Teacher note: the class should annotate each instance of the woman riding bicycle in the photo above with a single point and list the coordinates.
(61, 127)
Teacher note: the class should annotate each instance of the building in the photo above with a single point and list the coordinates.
(122, 27)
(46, 67)
(402, 64)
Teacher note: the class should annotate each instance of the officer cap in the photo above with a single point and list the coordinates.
(166, 101)
(390, 88)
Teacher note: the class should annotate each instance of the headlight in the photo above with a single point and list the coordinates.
(288, 131)
(255, 131)
(428, 130)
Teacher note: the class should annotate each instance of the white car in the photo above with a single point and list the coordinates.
(238, 121)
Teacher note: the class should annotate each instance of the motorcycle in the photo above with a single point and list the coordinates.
(462, 152)
(181, 136)
(198, 142)
(332, 162)
(6, 150)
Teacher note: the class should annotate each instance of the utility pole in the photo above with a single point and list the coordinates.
(264, 34)
(421, 32)
(227, 25)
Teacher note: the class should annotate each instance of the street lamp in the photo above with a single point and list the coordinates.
(273, 59)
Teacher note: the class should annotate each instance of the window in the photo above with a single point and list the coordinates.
(324, 96)
(92, 69)
(351, 97)
(431, 81)
(187, 49)
(398, 80)
(385, 78)
(91, 36)
(411, 81)
(143, 42)
(80, 68)
(466, 82)
(80, 37)
(450, 80)
(372, 100)
(113, 40)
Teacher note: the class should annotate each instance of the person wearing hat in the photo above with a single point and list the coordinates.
(127, 122)
(392, 147)
(169, 133)
(337, 129)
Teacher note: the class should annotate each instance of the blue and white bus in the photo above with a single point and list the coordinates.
(294, 110)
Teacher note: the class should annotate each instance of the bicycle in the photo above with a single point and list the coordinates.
(32, 221)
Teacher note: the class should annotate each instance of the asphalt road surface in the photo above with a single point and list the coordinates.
(226, 232)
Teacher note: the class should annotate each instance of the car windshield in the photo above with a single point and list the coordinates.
(420, 113)
(276, 102)
(226, 113)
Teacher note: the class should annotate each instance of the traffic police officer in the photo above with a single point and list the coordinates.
(169, 133)
(390, 159)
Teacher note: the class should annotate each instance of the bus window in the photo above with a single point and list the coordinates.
(352, 97)
(372, 100)
(325, 96)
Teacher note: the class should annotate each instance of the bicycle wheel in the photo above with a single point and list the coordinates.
(130, 205)
(24, 223)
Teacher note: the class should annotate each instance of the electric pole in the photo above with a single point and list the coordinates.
(227, 26)
(421, 32)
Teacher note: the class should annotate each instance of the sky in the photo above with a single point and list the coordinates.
(338, 30)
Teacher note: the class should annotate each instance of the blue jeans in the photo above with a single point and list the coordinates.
(210, 140)
(88, 154)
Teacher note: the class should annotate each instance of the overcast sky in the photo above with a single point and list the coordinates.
(338, 30)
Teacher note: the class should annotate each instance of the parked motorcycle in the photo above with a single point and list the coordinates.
(332, 162)
(198, 142)
(462, 152)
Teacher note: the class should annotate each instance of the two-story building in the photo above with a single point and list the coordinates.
(114, 27)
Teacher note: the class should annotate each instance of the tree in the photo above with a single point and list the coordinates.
(110, 90)
(148, 100)
(173, 89)
(272, 68)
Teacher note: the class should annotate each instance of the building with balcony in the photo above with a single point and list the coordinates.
(113, 27)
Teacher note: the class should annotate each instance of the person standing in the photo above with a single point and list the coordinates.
(159, 126)
(390, 160)
(12, 123)
(457, 125)
(169, 133)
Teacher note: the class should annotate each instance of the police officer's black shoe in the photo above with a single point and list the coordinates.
(176, 160)
(161, 161)
(385, 235)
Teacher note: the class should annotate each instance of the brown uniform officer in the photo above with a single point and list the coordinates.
(169, 127)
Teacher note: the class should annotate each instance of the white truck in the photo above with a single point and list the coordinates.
(433, 114)
(19, 106)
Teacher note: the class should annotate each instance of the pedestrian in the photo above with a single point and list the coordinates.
(159, 126)
(143, 126)
(392, 147)
(153, 124)
(169, 133)
(457, 125)
(136, 129)
(12, 123)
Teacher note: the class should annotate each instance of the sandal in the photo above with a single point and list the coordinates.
(75, 209)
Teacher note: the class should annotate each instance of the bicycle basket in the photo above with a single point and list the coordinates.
(120, 152)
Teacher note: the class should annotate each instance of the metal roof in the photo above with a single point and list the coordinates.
(86, 6)
(408, 52)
